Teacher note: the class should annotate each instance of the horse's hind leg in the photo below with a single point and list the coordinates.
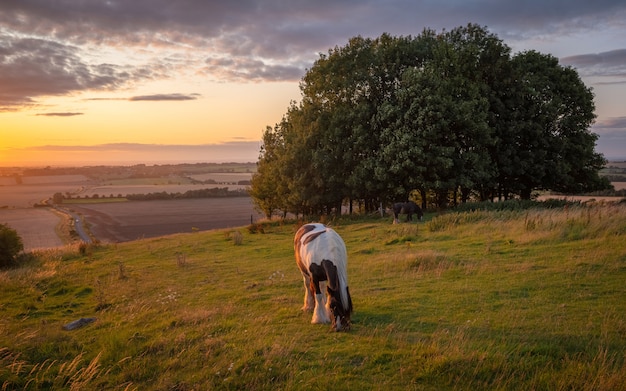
(320, 313)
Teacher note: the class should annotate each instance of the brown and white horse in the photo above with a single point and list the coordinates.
(321, 256)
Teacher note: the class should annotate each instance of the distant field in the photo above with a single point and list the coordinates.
(23, 196)
(617, 164)
(147, 181)
(107, 190)
(36, 226)
(54, 179)
(124, 221)
(75, 201)
(223, 177)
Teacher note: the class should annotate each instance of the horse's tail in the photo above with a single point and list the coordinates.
(346, 300)
(342, 275)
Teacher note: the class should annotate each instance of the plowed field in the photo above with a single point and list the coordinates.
(124, 221)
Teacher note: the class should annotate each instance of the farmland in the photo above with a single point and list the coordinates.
(38, 227)
(483, 300)
(124, 221)
(95, 194)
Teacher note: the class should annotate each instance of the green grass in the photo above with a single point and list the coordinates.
(503, 300)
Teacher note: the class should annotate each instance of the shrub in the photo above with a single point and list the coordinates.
(10, 245)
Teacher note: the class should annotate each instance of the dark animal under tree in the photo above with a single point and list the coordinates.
(408, 208)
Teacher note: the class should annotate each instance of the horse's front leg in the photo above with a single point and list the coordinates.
(320, 313)
(309, 301)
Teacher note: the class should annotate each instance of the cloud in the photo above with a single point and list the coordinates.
(245, 69)
(164, 97)
(611, 124)
(67, 46)
(611, 63)
(31, 68)
(59, 114)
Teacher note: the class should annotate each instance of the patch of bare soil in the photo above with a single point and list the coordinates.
(125, 221)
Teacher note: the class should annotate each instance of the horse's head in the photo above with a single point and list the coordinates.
(340, 315)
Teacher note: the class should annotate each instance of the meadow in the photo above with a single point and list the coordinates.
(502, 300)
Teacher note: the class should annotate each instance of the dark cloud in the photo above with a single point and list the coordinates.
(611, 63)
(246, 69)
(52, 47)
(608, 124)
(164, 97)
(30, 68)
(59, 114)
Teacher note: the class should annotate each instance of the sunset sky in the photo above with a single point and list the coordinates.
(162, 81)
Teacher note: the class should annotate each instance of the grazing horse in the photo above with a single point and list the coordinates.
(321, 256)
(409, 208)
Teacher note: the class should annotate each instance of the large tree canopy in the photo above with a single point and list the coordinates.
(449, 117)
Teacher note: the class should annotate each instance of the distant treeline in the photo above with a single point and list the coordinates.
(217, 192)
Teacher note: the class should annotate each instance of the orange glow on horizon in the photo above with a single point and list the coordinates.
(221, 114)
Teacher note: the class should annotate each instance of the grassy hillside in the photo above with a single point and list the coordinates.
(510, 300)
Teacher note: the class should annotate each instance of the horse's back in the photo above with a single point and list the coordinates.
(315, 242)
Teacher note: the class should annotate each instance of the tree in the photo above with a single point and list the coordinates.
(451, 115)
(264, 188)
(437, 136)
(553, 113)
(57, 198)
(10, 245)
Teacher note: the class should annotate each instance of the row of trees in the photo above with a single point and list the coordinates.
(445, 116)
(217, 192)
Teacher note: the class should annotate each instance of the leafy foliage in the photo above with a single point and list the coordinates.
(442, 117)
(10, 245)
